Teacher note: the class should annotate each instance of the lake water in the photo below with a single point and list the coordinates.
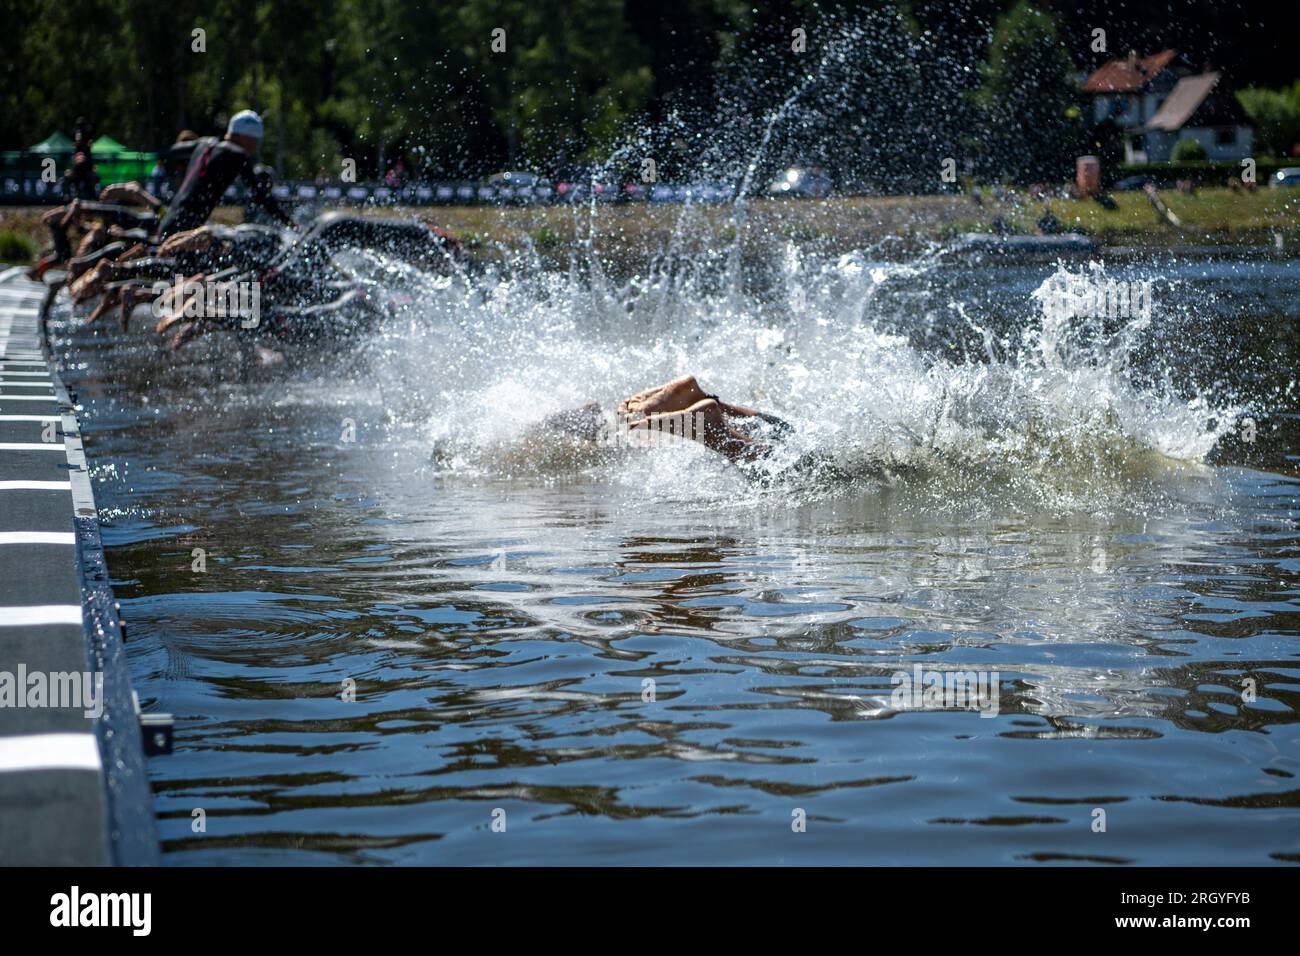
(561, 655)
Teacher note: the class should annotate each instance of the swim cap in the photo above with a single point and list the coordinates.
(246, 123)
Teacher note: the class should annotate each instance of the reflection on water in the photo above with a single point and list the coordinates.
(647, 660)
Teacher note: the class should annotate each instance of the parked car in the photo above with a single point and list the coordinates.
(580, 183)
(572, 182)
(807, 182)
(516, 186)
(1287, 176)
(513, 179)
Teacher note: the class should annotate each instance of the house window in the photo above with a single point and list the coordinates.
(1225, 137)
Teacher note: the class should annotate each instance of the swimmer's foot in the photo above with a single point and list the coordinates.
(108, 300)
(675, 396)
(91, 283)
(131, 297)
(37, 272)
(69, 213)
(188, 332)
(175, 308)
(169, 320)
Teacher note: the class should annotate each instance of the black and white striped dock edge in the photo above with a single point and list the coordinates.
(73, 789)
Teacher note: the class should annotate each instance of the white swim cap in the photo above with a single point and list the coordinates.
(247, 123)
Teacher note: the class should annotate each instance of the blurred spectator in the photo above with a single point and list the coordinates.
(81, 181)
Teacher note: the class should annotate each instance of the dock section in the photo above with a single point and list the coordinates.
(73, 789)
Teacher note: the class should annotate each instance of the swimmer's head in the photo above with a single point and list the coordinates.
(83, 134)
(245, 129)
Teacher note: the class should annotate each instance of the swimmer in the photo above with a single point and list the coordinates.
(728, 429)
(304, 296)
(214, 164)
(743, 435)
(757, 443)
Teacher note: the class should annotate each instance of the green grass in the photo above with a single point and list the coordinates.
(16, 248)
(1214, 215)
(547, 239)
(627, 232)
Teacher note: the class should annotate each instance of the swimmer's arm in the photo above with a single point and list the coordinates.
(260, 193)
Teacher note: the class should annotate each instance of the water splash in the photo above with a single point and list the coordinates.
(843, 345)
(1049, 417)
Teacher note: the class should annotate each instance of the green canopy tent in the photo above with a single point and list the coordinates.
(56, 142)
(26, 163)
(117, 164)
(114, 162)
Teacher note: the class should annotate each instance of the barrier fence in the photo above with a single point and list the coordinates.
(35, 191)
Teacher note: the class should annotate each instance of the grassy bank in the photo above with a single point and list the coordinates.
(1210, 216)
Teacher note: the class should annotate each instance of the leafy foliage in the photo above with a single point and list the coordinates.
(1188, 150)
(1031, 120)
(1276, 115)
(885, 91)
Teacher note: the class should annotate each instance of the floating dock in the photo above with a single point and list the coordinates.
(1027, 248)
(73, 789)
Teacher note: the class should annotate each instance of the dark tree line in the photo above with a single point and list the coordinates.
(880, 94)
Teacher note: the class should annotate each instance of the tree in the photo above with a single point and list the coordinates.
(571, 76)
(1030, 116)
(1276, 116)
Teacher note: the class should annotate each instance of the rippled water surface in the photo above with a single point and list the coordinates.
(640, 657)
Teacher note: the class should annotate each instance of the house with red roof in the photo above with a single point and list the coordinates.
(1156, 100)
(1201, 108)
(1128, 90)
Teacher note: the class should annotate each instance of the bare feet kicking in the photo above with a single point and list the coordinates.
(91, 283)
(683, 408)
(675, 396)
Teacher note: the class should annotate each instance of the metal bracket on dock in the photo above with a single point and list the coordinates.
(157, 731)
(156, 734)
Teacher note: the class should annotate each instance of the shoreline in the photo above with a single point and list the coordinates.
(1212, 220)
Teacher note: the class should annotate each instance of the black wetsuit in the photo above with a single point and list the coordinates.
(120, 215)
(139, 224)
(412, 242)
(176, 161)
(81, 181)
(303, 274)
(214, 165)
(305, 298)
(242, 248)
